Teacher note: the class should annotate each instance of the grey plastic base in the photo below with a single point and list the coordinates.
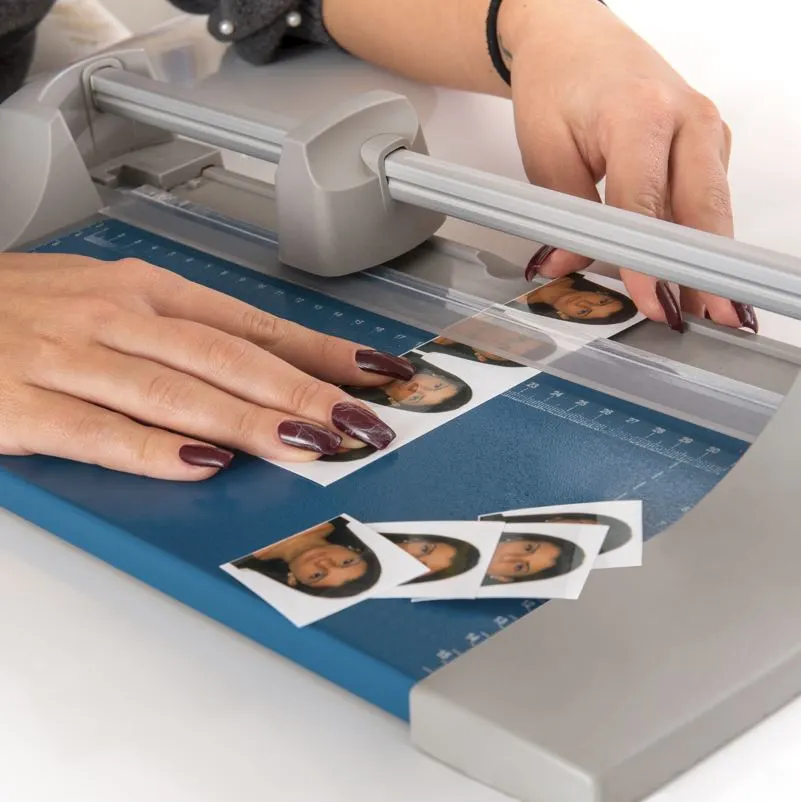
(50, 137)
(607, 698)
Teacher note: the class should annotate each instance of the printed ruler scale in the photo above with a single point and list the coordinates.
(546, 442)
(540, 394)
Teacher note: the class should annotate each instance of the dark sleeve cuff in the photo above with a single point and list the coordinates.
(259, 29)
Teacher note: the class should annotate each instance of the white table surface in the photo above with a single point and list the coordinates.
(111, 691)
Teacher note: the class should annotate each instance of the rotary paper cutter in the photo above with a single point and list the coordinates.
(131, 164)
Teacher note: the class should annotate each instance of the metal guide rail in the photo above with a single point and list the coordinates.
(316, 155)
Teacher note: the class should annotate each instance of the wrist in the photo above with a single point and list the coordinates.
(522, 20)
(514, 17)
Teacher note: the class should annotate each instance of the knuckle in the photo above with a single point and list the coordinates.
(97, 312)
(90, 430)
(55, 341)
(227, 355)
(705, 110)
(136, 267)
(147, 449)
(75, 320)
(305, 396)
(330, 349)
(718, 200)
(167, 392)
(48, 353)
(656, 101)
(47, 340)
(249, 425)
(265, 329)
(649, 199)
(142, 274)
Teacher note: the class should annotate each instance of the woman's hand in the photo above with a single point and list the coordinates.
(131, 367)
(592, 99)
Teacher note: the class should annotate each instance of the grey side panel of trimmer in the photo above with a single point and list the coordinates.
(607, 698)
(48, 132)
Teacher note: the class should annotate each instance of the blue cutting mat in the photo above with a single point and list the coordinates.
(546, 442)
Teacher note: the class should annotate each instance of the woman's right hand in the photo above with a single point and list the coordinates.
(131, 367)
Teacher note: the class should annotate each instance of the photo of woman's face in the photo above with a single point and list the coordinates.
(423, 389)
(314, 562)
(435, 556)
(324, 569)
(431, 389)
(518, 559)
(576, 304)
(327, 566)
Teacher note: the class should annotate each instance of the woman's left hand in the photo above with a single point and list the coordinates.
(592, 99)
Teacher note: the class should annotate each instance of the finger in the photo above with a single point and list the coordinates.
(554, 161)
(161, 396)
(726, 146)
(701, 199)
(637, 180)
(331, 359)
(232, 371)
(62, 426)
(158, 396)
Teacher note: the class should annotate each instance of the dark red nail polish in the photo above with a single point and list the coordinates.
(205, 456)
(747, 316)
(362, 425)
(386, 364)
(671, 306)
(538, 260)
(308, 436)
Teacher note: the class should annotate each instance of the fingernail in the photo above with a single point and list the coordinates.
(309, 437)
(671, 306)
(747, 316)
(205, 456)
(361, 424)
(538, 260)
(386, 364)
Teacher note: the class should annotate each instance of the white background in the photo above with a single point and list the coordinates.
(109, 691)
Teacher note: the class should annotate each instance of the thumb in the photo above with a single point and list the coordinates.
(552, 160)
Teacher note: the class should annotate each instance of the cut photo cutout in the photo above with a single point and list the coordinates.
(579, 306)
(542, 561)
(456, 555)
(324, 569)
(450, 379)
(622, 546)
(534, 346)
(495, 337)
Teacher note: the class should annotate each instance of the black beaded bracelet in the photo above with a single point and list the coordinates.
(494, 43)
